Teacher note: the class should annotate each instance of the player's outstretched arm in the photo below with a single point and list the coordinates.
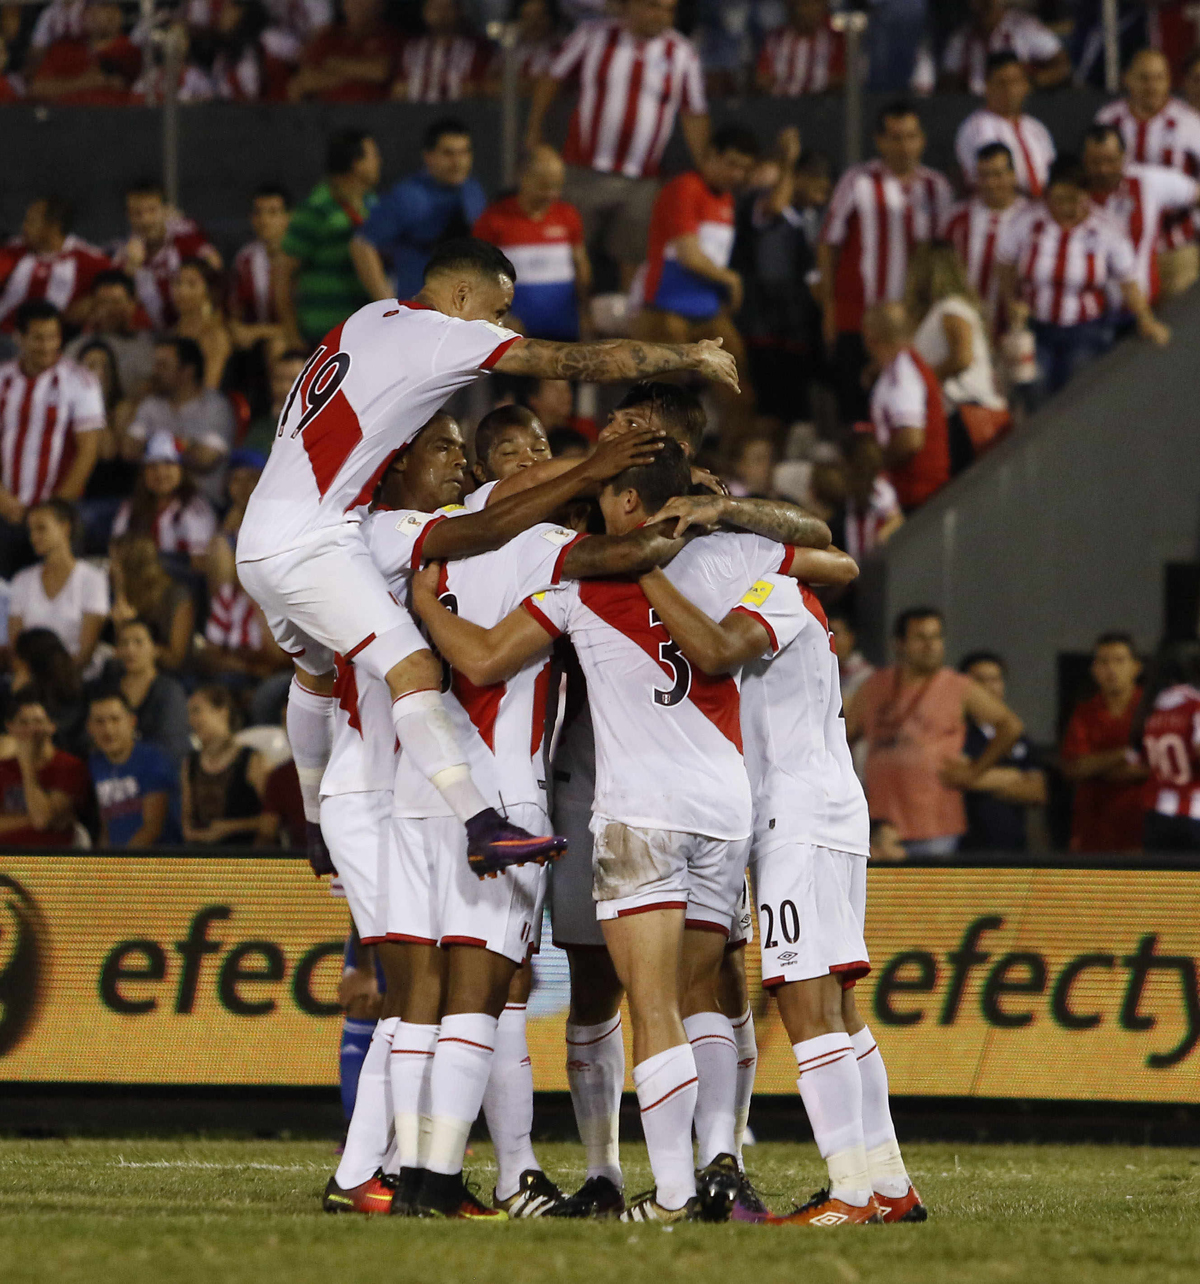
(482, 656)
(713, 648)
(771, 518)
(614, 360)
(825, 566)
(608, 556)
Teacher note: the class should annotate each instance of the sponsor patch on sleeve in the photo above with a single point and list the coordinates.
(758, 593)
(558, 536)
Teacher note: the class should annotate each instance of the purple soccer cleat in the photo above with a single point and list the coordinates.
(493, 845)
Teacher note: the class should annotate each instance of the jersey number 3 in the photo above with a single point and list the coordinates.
(670, 655)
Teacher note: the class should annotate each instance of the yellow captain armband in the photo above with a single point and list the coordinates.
(452, 508)
(758, 593)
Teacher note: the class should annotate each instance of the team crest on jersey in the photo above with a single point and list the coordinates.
(758, 593)
(558, 536)
(411, 523)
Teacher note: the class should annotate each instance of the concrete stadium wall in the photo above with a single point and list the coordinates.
(91, 153)
(1062, 531)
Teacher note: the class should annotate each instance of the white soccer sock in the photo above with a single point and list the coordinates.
(310, 734)
(666, 1090)
(596, 1075)
(508, 1101)
(888, 1174)
(369, 1134)
(715, 1051)
(410, 1067)
(747, 1054)
(427, 735)
(832, 1095)
(460, 1073)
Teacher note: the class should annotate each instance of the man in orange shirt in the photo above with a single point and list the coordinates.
(913, 716)
(1109, 806)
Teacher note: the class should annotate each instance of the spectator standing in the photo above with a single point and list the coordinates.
(60, 592)
(444, 65)
(872, 512)
(291, 25)
(1167, 729)
(553, 402)
(283, 371)
(51, 416)
(906, 408)
(143, 589)
(220, 803)
(1002, 120)
(440, 202)
(43, 789)
(853, 667)
(317, 285)
(913, 715)
(96, 68)
(1001, 797)
(804, 57)
(542, 235)
(539, 32)
(114, 475)
(158, 701)
(183, 410)
(352, 61)
(1140, 198)
(252, 292)
(635, 74)
(166, 507)
(54, 264)
(160, 239)
(1159, 129)
(198, 317)
(239, 649)
(113, 315)
(995, 27)
(1109, 788)
(59, 20)
(976, 226)
(137, 790)
(879, 210)
(1057, 263)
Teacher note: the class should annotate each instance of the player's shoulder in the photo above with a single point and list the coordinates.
(1183, 113)
(1183, 697)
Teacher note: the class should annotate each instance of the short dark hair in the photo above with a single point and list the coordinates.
(894, 110)
(1068, 168)
(564, 439)
(187, 351)
(1117, 637)
(496, 422)
(669, 474)
(469, 254)
(107, 693)
(1100, 133)
(272, 189)
(222, 698)
(58, 210)
(440, 128)
(734, 137)
(906, 617)
(114, 276)
(677, 407)
(1001, 58)
(36, 310)
(23, 698)
(146, 186)
(138, 622)
(972, 658)
(344, 150)
(990, 150)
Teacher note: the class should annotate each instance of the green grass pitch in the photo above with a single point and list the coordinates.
(246, 1212)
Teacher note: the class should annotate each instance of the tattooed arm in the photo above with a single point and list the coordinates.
(771, 518)
(615, 360)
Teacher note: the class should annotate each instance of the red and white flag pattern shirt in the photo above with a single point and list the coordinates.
(1064, 274)
(373, 383)
(59, 278)
(863, 524)
(874, 218)
(1025, 137)
(184, 240)
(1146, 195)
(792, 64)
(252, 299)
(630, 92)
(184, 529)
(435, 70)
(974, 230)
(39, 421)
(233, 620)
(966, 52)
(1170, 138)
(1171, 745)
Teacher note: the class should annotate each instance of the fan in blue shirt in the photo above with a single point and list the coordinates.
(137, 788)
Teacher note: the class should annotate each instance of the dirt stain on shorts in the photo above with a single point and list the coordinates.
(627, 860)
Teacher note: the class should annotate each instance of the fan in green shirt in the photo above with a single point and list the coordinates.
(321, 286)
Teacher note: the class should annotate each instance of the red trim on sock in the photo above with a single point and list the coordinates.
(808, 1069)
(645, 909)
(354, 650)
(515, 1007)
(587, 1043)
(453, 1038)
(737, 1025)
(724, 1038)
(679, 1087)
(414, 691)
(869, 1051)
(822, 1055)
(412, 1052)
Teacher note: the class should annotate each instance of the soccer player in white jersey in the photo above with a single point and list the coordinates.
(671, 813)
(811, 843)
(373, 382)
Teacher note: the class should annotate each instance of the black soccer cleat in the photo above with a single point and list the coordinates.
(536, 1196)
(441, 1195)
(408, 1183)
(494, 845)
(318, 854)
(718, 1186)
(597, 1197)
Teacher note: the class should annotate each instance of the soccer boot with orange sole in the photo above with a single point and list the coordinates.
(450, 1196)
(908, 1208)
(822, 1210)
(494, 845)
(373, 1196)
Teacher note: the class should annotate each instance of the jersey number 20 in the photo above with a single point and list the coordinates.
(670, 655)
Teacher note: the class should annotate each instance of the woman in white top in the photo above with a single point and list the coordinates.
(950, 333)
(60, 593)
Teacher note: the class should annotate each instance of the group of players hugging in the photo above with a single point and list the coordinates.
(702, 735)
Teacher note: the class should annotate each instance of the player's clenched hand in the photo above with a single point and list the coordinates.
(625, 450)
(714, 363)
(425, 583)
(692, 510)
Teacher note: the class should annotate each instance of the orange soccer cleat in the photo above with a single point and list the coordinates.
(822, 1210)
(908, 1208)
(373, 1196)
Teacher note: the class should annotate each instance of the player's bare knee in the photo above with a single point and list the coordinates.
(417, 672)
(733, 996)
(850, 1017)
(317, 683)
(521, 985)
(478, 981)
(810, 1008)
(596, 990)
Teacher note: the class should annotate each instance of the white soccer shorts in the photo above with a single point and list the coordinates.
(328, 595)
(742, 931)
(572, 905)
(433, 897)
(812, 906)
(355, 828)
(635, 870)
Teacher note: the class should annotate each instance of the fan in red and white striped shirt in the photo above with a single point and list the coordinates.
(233, 620)
(995, 27)
(54, 265)
(50, 412)
(805, 57)
(632, 86)
(444, 65)
(251, 293)
(1001, 120)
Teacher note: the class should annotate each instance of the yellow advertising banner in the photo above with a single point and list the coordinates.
(1028, 983)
